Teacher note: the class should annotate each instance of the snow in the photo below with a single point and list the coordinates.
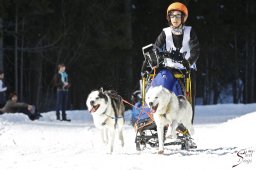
(222, 132)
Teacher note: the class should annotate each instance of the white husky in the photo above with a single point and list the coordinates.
(107, 110)
(167, 108)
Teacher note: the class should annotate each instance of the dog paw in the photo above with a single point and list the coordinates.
(160, 152)
(109, 152)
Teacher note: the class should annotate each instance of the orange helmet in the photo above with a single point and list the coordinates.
(177, 6)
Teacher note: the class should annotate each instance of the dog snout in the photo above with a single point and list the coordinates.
(150, 103)
(92, 102)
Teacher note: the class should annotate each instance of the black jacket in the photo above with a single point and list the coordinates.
(177, 40)
(59, 84)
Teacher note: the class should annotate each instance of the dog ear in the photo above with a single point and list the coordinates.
(103, 95)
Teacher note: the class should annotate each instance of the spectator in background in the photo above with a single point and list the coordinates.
(12, 106)
(62, 85)
(3, 89)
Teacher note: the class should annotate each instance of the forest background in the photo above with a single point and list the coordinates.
(100, 42)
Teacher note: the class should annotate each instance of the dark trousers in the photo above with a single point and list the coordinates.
(2, 99)
(62, 102)
(24, 111)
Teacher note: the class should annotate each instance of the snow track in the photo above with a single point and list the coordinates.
(50, 144)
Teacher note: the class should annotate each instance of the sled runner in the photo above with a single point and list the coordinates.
(175, 80)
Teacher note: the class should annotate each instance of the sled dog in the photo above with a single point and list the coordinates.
(107, 110)
(167, 108)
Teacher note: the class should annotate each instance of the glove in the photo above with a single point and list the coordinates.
(186, 64)
(162, 57)
(144, 74)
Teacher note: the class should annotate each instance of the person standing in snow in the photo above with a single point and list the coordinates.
(3, 90)
(181, 43)
(12, 106)
(62, 84)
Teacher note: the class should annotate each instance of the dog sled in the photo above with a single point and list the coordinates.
(142, 118)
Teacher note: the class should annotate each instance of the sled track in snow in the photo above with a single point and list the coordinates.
(220, 151)
(213, 151)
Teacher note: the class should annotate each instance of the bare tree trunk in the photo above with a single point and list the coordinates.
(246, 93)
(39, 71)
(16, 51)
(236, 76)
(251, 12)
(250, 56)
(216, 89)
(21, 61)
(35, 81)
(212, 77)
(1, 45)
(206, 82)
(252, 63)
(129, 71)
(246, 83)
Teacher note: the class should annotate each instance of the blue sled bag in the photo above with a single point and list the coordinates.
(166, 79)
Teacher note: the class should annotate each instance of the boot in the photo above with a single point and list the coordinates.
(64, 118)
(34, 116)
(57, 115)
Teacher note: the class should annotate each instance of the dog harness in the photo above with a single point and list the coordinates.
(114, 97)
(111, 117)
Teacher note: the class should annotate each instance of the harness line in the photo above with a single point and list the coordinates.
(141, 110)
